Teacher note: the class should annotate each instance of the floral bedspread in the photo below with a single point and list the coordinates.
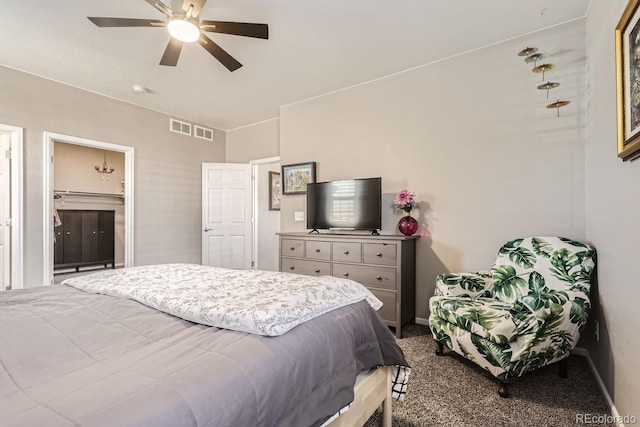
(258, 302)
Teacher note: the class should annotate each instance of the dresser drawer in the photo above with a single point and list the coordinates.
(346, 252)
(377, 277)
(292, 247)
(388, 310)
(318, 250)
(379, 253)
(306, 267)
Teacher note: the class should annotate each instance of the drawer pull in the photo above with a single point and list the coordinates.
(378, 254)
(345, 274)
(292, 268)
(317, 270)
(346, 252)
(292, 248)
(378, 277)
(317, 250)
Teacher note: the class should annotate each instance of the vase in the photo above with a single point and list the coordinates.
(408, 224)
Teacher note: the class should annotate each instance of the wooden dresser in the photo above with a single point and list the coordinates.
(85, 238)
(384, 264)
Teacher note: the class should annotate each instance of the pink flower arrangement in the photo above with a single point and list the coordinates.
(404, 200)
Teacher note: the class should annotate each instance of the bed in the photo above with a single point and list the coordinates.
(93, 352)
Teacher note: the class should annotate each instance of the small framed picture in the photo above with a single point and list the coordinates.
(296, 177)
(275, 191)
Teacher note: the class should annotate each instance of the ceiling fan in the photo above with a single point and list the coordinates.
(185, 27)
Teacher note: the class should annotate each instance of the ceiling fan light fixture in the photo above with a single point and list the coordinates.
(184, 29)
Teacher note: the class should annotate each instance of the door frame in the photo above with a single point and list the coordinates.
(49, 138)
(17, 227)
(254, 202)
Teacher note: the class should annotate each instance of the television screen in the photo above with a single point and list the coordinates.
(351, 204)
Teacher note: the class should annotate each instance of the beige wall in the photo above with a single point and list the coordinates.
(74, 169)
(167, 165)
(613, 206)
(253, 142)
(471, 137)
(268, 221)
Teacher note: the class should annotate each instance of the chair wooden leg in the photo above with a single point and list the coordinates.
(440, 349)
(503, 390)
(563, 367)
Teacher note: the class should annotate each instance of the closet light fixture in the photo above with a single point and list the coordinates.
(104, 169)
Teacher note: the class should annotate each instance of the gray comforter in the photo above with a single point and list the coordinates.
(72, 358)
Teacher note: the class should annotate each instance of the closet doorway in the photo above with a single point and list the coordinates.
(88, 205)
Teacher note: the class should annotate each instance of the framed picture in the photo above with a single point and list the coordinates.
(296, 177)
(628, 81)
(275, 191)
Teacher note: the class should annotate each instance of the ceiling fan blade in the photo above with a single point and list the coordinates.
(259, 31)
(160, 6)
(126, 22)
(197, 6)
(171, 53)
(220, 54)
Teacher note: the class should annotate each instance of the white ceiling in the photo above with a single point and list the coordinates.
(315, 47)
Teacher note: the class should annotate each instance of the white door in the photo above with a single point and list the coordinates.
(226, 215)
(5, 211)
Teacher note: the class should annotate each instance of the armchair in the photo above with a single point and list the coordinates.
(527, 312)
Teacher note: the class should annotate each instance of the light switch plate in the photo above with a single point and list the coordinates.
(298, 216)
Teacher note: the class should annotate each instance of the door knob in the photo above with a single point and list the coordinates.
(207, 229)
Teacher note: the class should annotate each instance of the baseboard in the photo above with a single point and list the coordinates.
(580, 351)
(422, 321)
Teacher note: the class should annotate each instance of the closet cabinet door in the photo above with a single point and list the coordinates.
(72, 237)
(58, 246)
(106, 234)
(89, 236)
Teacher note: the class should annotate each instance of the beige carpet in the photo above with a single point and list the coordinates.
(451, 391)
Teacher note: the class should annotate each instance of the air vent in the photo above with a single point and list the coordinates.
(202, 133)
(180, 127)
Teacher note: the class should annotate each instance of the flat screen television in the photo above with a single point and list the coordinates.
(350, 204)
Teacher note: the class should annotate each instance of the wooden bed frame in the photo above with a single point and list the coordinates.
(374, 389)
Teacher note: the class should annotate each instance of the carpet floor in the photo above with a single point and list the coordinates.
(449, 390)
